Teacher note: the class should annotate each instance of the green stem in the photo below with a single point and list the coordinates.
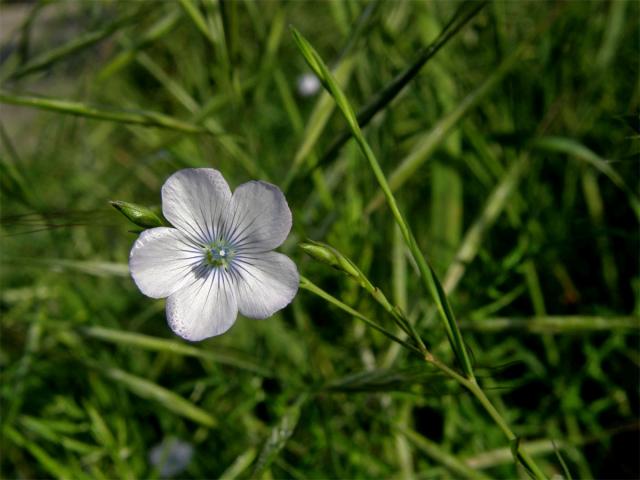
(311, 287)
(427, 274)
(520, 455)
(469, 383)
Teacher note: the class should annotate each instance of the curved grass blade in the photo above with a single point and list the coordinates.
(14, 184)
(76, 45)
(12, 181)
(437, 453)
(151, 391)
(343, 68)
(177, 348)
(427, 274)
(239, 465)
(428, 142)
(162, 27)
(565, 469)
(46, 461)
(317, 121)
(198, 20)
(137, 117)
(384, 97)
(576, 149)
(279, 436)
(45, 429)
(493, 207)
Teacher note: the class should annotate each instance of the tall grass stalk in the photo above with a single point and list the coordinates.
(427, 273)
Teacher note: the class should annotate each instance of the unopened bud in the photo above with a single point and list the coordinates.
(329, 255)
(139, 215)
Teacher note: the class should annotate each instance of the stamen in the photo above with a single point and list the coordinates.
(219, 254)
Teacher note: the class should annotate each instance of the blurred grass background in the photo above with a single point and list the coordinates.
(514, 156)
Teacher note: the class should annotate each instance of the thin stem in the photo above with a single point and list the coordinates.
(428, 276)
(472, 385)
(311, 287)
(430, 281)
(469, 383)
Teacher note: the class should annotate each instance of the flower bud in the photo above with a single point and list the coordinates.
(329, 255)
(139, 215)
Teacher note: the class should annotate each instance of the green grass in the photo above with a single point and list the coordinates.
(504, 136)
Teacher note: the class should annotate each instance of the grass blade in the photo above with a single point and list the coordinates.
(198, 20)
(137, 117)
(163, 26)
(151, 391)
(239, 465)
(429, 279)
(494, 206)
(327, 254)
(440, 455)
(76, 45)
(46, 461)
(175, 347)
(384, 380)
(279, 436)
(579, 151)
(465, 13)
(431, 140)
(99, 269)
(556, 324)
(318, 120)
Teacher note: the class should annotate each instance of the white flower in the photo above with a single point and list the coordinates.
(308, 84)
(218, 259)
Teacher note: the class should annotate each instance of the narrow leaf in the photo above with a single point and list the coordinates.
(440, 455)
(151, 391)
(70, 107)
(576, 149)
(279, 436)
(147, 342)
(429, 279)
(384, 97)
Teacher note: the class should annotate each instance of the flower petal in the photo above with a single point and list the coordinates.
(265, 283)
(206, 308)
(162, 261)
(260, 219)
(193, 200)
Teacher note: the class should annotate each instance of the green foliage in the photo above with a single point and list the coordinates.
(505, 133)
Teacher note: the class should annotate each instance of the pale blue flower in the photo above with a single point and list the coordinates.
(171, 457)
(218, 259)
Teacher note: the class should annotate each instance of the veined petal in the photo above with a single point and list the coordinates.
(162, 261)
(265, 282)
(205, 308)
(193, 200)
(259, 218)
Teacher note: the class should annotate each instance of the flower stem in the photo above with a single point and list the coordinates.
(469, 383)
(520, 455)
(428, 277)
(311, 287)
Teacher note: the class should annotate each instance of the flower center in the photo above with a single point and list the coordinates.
(219, 254)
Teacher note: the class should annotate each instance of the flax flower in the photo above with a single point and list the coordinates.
(218, 259)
